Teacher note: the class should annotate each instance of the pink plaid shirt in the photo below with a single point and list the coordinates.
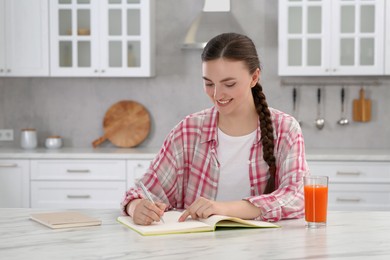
(187, 167)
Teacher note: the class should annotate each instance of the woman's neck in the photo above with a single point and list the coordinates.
(238, 125)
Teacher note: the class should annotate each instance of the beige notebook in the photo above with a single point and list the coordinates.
(66, 219)
(172, 226)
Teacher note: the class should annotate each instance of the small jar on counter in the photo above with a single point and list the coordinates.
(53, 142)
(28, 138)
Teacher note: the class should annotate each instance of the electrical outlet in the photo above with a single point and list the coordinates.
(6, 134)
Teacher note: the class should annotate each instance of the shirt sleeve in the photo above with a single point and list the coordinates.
(160, 177)
(287, 201)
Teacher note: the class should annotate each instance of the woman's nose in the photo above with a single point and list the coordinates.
(216, 92)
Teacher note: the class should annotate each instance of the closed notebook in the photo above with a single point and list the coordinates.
(172, 226)
(66, 219)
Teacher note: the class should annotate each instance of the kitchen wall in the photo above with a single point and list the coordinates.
(74, 107)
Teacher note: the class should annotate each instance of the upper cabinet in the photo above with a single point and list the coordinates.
(331, 37)
(387, 40)
(24, 37)
(103, 38)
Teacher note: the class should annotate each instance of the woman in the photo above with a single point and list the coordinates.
(238, 158)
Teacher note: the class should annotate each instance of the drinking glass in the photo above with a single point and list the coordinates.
(316, 200)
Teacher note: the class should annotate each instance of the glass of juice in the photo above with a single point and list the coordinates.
(316, 200)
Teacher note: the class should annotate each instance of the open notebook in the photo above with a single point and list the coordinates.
(172, 226)
(66, 219)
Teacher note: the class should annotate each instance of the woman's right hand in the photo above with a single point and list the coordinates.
(145, 212)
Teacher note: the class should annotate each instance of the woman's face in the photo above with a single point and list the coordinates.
(228, 84)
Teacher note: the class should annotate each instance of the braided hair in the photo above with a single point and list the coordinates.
(239, 47)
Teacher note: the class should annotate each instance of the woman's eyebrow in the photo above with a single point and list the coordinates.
(225, 79)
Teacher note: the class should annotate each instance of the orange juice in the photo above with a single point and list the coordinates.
(316, 201)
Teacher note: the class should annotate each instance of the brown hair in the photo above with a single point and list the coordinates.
(239, 47)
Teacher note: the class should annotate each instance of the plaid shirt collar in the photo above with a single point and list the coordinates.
(210, 125)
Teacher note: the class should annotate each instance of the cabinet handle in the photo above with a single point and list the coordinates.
(78, 196)
(96, 71)
(103, 71)
(8, 165)
(8, 70)
(1, 70)
(78, 171)
(348, 199)
(348, 173)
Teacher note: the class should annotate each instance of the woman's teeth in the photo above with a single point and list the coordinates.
(223, 102)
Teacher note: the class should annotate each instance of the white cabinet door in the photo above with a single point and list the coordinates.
(387, 41)
(77, 194)
(2, 38)
(355, 185)
(71, 183)
(304, 37)
(357, 37)
(135, 170)
(14, 184)
(24, 41)
(331, 37)
(102, 38)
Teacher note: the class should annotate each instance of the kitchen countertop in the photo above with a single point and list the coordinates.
(149, 153)
(79, 153)
(352, 235)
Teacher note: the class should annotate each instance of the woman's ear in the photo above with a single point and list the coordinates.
(255, 77)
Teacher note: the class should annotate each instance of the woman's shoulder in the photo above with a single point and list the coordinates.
(283, 121)
(197, 120)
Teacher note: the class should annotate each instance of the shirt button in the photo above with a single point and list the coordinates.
(249, 161)
(252, 188)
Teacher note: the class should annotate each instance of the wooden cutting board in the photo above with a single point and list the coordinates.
(126, 124)
(361, 108)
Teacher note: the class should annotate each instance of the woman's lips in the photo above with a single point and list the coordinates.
(224, 102)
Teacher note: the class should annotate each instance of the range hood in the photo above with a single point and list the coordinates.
(215, 19)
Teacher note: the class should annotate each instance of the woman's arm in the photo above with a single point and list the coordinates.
(204, 208)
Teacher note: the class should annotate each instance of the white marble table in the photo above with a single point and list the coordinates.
(349, 235)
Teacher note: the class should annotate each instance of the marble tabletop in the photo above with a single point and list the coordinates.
(348, 235)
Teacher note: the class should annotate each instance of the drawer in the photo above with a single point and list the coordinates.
(352, 172)
(359, 196)
(78, 170)
(75, 195)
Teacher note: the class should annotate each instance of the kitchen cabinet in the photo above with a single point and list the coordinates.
(24, 38)
(77, 183)
(107, 38)
(387, 41)
(355, 185)
(135, 170)
(14, 183)
(331, 37)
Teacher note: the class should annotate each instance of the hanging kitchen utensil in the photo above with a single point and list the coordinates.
(319, 122)
(126, 124)
(361, 108)
(295, 113)
(343, 120)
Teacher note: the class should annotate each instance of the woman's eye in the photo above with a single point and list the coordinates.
(209, 84)
(230, 84)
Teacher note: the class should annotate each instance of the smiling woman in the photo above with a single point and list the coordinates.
(239, 158)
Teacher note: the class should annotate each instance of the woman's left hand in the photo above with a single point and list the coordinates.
(202, 208)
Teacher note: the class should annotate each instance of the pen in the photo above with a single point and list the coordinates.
(147, 194)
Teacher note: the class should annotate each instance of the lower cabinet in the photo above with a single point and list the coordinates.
(76, 184)
(77, 194)
(355, 185)
(135, 170)
(14, 184)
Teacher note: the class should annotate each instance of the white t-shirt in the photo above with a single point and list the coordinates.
(233, 155)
